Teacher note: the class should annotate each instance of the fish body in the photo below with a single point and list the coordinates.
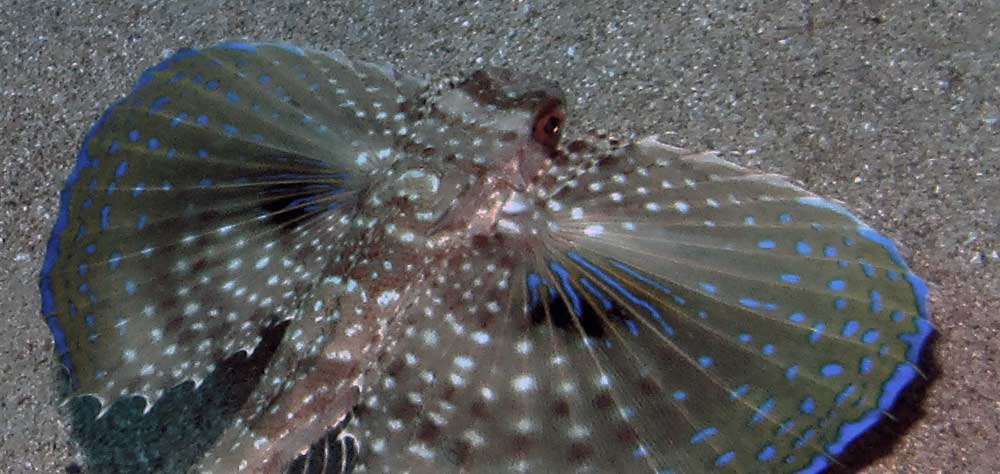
(466, 289)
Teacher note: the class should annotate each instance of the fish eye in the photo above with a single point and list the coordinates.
(547, 126)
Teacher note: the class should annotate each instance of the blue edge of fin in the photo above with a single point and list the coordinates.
(905, 371)
(891, 389)
(83, 161)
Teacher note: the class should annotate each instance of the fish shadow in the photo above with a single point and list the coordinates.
(179, 428)
(884, 436)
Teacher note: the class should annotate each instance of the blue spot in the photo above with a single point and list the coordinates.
(808, 405)
(803, 248)
(233, 96)
(198, 79)
(178, 119)
(876, 301)
(844, 394)
(830, 251)
(739, 392)
(702, 314)
(115, 261)
(766, 244)
(849, 241)
(264, 78)
(87, 203)
(121, 169)
(131, 287)
(90, 248)
(768, 349)
(866, 365)
(141, 221)
(749, 220)
(842, 263)
(790, 278)
(709, 287)
(868, 269)
(680, 395)
(897, 316)
(112, 188)
(850, 327)
(206, 182)
(159, 103)
(805, 438)
(153, 143)
(202, 153)
(840, 303)
(703, 434)
(640, 452)
(837, 285)
(105, 217)
(745, 337)
(533, 281)
(138, 189)
(762, 411)
(230, 129)
(817, 332)
(133, 135)
(171, 153)
(796, 317)
(786, 426)
(792, 372)
(83, 268)
(725, 458)
(766, 453)
(633, 328)
(832, 370)
(870, 336)
(785, 218)
(114, 147)
(84, 288)
(212, 85)
(202, 119)
(705, 361)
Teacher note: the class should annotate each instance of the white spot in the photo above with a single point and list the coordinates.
(387, 297)
(524, 383)
(464, 362)
(653, 207)
(576, 213)
(593, 230)
(481, 338)
(682, 207)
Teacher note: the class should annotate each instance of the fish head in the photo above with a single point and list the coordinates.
(516, 120)
(478, 143)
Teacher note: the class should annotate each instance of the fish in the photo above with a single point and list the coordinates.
(467, 286)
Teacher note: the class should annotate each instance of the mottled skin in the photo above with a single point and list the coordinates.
(465, 290)
(423, 208)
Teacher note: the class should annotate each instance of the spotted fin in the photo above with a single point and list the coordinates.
(334, 453)
(202, 207)
(684, 315)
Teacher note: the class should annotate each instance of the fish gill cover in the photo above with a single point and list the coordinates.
(464, 288)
